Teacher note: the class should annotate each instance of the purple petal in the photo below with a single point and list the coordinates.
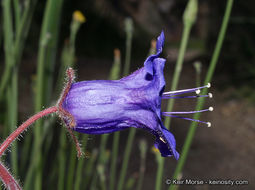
(160, 42)
(166, 144)
(148, 64)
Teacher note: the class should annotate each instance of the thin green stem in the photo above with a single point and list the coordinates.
(129, 36)
(8, 43)
(200, 103)
(128, 52)
(143, 149)
(39, 104)
(71, 164)
(62, 160)
(17, 13)
(115, 148)
(79, 171)
(46, 43)
(89, 167)
(129, 32)
(13, 117)
(178, 68)
(1, 32)
(55, 10)
(124, 167)
(20, 37)
(189, 18)
(12, 98)
(93, 185)
(32, 163)
(102, 160)
(21, 34)
(8, 32)
(23, 29)
(53, 30)
(197, 66)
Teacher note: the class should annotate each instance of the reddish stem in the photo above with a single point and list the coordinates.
(63, 113)
(8, 180)
(6, 177)
(24, 126)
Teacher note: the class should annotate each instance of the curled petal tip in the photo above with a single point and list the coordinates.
(160, 43)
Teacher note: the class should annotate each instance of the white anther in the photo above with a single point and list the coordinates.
(208, 85)
(210, 109)
(209, 124)
(198, 91)
(210, 95)
(162, 139)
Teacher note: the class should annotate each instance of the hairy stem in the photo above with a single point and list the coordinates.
(24, 126)
(8, 180)
(5, 175)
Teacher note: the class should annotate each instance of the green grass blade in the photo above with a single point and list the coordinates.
(129, 36)
(113, 168)
(23, 28)
(90, 165)
(20, 37)
(124, 167)
(8, 44)
(80, 166)
(143, 150)
(12, 98)
(45, 40)
(71, 169)
(1, 31)
(62, 160)
(17, 12)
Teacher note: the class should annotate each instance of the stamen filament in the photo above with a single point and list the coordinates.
(190, 119)
(177, 92)
(188, 112)
(176, 97)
